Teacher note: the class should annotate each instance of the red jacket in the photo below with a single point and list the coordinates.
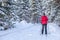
(44, 19)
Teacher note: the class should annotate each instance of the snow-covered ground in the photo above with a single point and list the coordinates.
(29, 31)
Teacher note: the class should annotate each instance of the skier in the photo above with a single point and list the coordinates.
(44, 20)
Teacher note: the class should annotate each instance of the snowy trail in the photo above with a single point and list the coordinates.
(30, 31)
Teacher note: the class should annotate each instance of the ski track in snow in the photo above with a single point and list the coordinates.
(28, 31)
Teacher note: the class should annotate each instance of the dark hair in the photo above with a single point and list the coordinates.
(43, 13)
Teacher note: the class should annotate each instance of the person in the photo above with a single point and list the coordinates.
(44, 20)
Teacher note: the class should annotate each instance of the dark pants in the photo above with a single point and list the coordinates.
(44, 26)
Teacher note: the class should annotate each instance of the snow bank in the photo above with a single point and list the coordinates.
(52, 28)
(23, 24)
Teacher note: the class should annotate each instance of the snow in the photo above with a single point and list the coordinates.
(29, 31)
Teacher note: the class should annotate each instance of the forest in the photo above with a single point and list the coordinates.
(28, 10)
